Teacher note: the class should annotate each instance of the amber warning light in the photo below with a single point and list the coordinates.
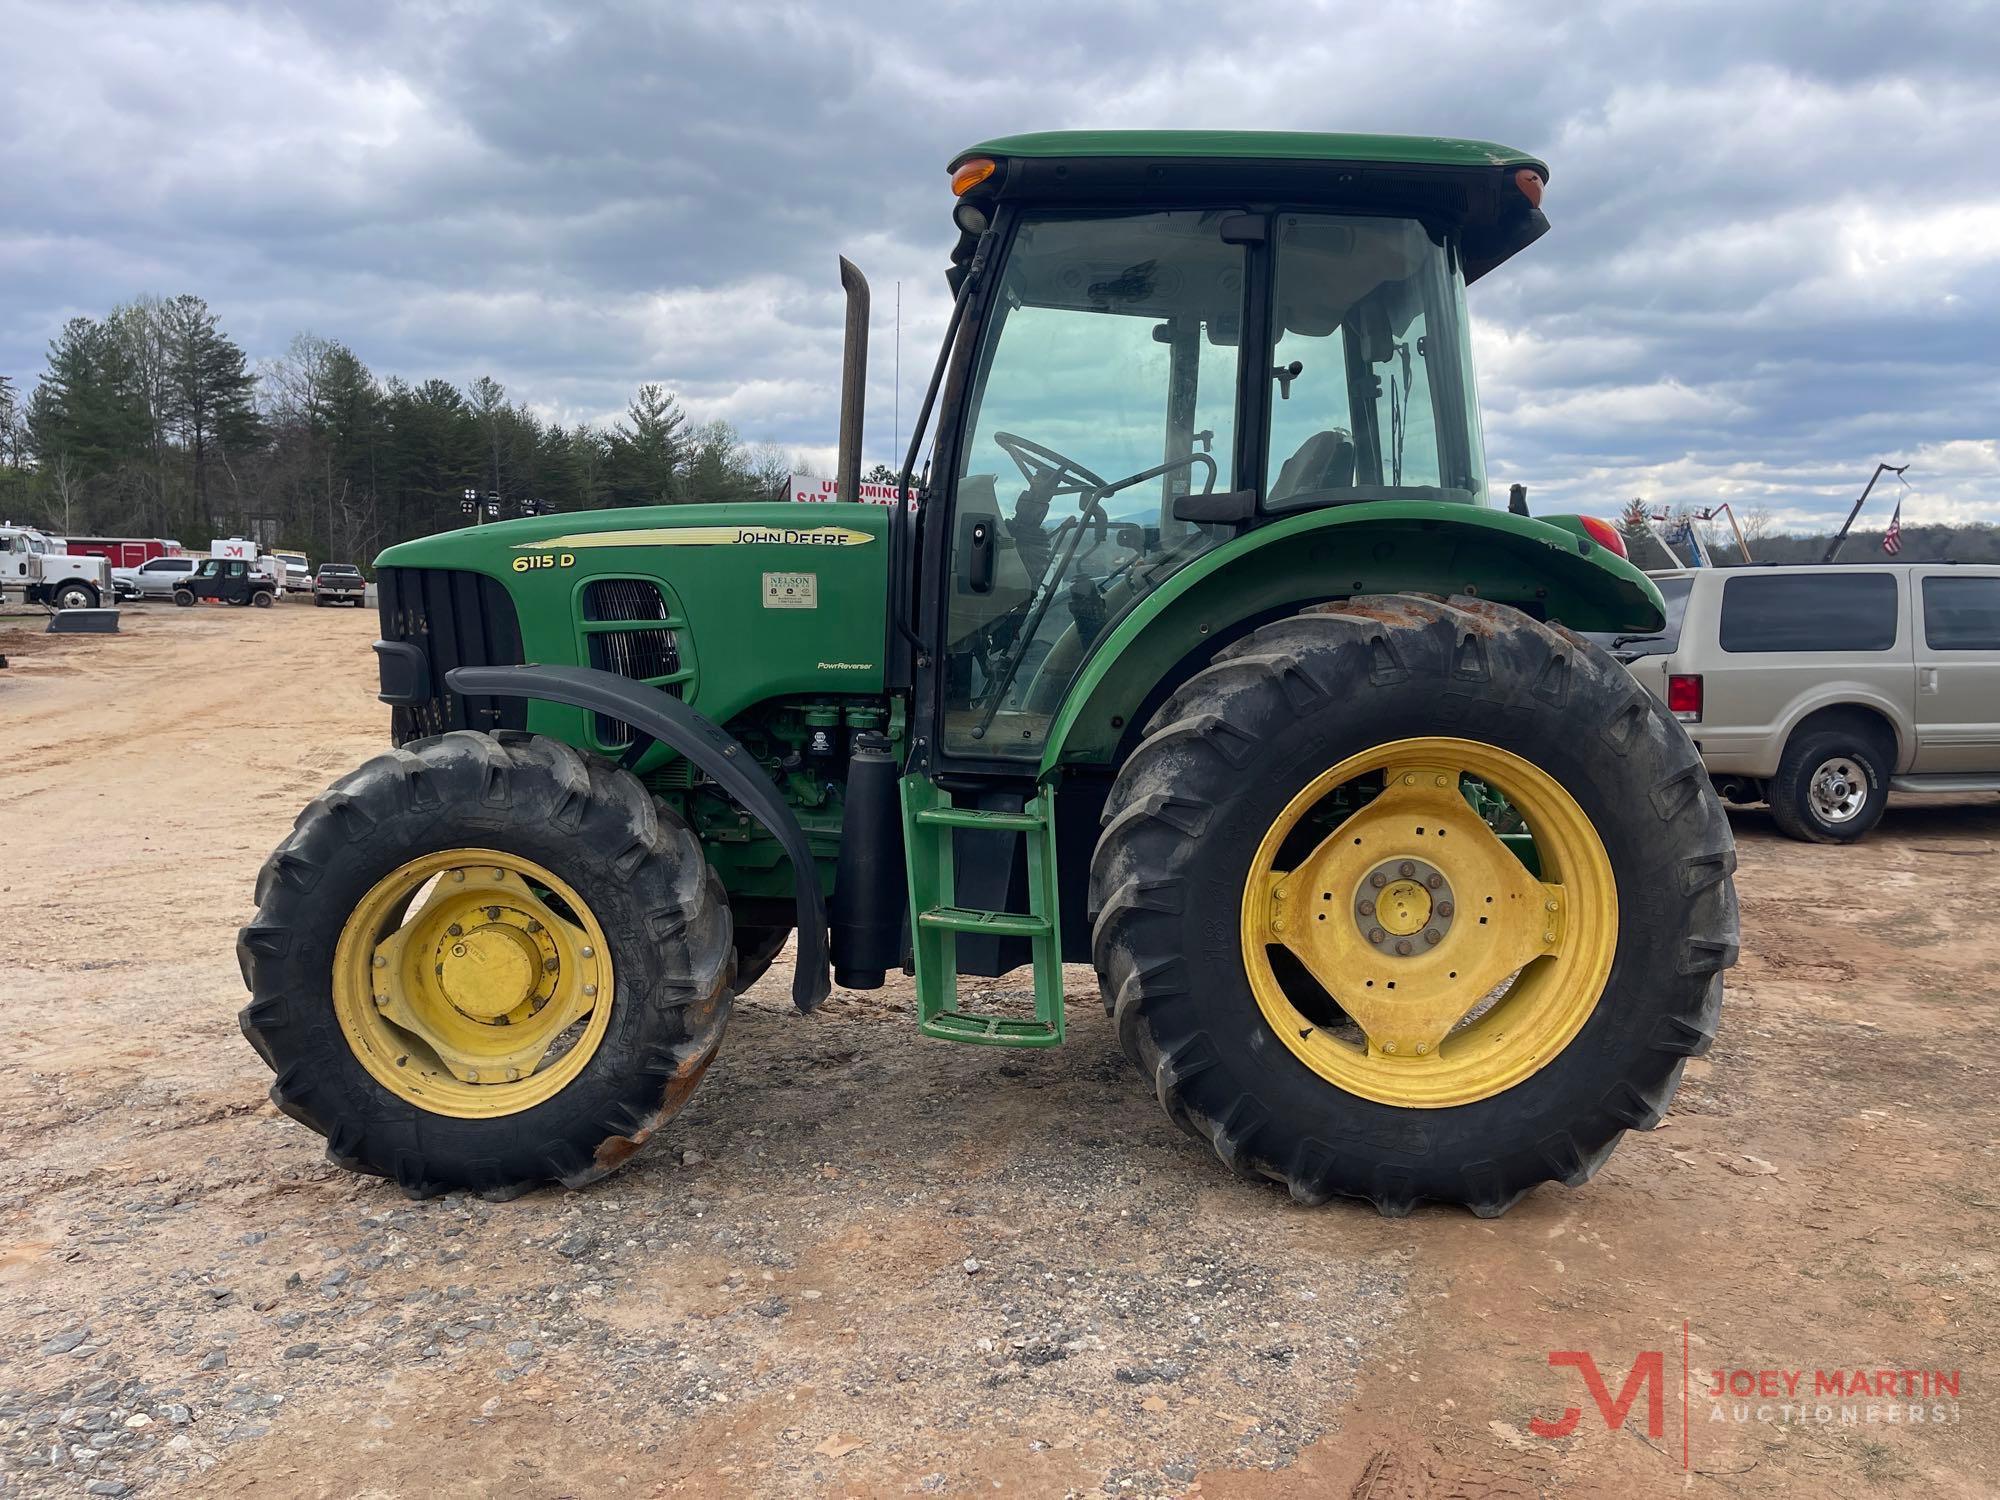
(967, 175)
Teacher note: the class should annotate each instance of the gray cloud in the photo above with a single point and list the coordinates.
(1777, 225)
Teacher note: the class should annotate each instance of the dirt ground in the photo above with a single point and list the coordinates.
(865, 1263)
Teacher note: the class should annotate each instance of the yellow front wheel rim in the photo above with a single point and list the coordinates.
(1410, 912)
(486, 996)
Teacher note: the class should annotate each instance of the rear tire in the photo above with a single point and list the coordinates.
(637, 867)
(1242, 739)
(1832, 785)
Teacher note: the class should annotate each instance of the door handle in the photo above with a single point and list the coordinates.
(1927, 679)
(979, 558)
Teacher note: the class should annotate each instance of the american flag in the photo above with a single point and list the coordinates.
(1892, 539)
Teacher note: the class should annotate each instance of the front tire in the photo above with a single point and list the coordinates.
(1304, 1083)
(76, 596)
(183, 599)
(575, 887)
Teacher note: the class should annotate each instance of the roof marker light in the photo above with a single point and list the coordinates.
(967, 175)
(1529, 181)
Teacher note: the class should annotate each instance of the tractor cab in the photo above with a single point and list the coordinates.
(1168, 339)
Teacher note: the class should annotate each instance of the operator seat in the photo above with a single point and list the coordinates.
(1325, 461)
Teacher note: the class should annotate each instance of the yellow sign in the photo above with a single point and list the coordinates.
(709, 536)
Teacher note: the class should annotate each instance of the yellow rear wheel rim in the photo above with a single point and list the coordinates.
(1410, 912)
(487, 997)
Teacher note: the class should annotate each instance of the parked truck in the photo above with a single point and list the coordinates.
(37, 568)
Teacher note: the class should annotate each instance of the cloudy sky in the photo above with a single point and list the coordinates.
(1777, 225)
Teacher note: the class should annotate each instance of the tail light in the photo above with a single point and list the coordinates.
(1684, 697)
(1604, 534)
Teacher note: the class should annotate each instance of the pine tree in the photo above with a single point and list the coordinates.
(648, 449)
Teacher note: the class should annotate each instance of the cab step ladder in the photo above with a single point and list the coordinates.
(929, 823)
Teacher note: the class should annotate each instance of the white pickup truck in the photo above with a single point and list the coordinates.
(35, 568)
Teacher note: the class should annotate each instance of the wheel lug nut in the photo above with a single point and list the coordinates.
(1423, 1047)
(472, 1075)
(455, 930)
(1403, 945)
(458, 875)
(534, 926)
(1406, 869)
(1378, 880)
(1388, 1046)
(1366, 908)
(492, 913)
(381, 962)
(1433, 936)
(1435, 882)
(1376, 934)
(549, 966)
(589, 952)
(1444, 908)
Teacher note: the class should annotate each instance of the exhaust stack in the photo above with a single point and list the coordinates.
(853, 379)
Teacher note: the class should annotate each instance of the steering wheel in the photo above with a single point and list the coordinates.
(1048, 472)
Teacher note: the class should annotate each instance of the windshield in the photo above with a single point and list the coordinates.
(1674, 593)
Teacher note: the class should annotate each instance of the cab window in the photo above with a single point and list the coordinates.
(1371, 384)
(1105, 389)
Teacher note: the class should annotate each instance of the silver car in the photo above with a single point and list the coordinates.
(158, 578)
(1819, 689)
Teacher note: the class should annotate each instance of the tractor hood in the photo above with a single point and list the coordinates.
(722, 606)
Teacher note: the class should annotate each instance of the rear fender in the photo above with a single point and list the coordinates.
(1333, 553)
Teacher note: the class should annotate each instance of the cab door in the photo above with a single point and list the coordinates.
(1104, 388)
(1957, 630)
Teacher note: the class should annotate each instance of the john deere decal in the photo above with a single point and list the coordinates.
(708, 536)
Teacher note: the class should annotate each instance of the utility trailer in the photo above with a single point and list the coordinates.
(1208, 655)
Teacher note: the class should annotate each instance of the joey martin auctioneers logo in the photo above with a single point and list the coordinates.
(1843, 1396)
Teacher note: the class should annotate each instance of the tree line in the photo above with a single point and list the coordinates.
(152, 422)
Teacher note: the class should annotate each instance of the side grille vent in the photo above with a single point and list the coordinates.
(644, 653)
(637, 653)
(623, 599)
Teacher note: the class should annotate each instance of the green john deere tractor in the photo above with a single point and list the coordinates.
(1203, 653)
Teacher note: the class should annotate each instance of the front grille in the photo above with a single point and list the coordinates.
(457, 619)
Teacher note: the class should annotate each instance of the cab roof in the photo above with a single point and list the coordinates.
(1259, 145)
(1487, 195)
